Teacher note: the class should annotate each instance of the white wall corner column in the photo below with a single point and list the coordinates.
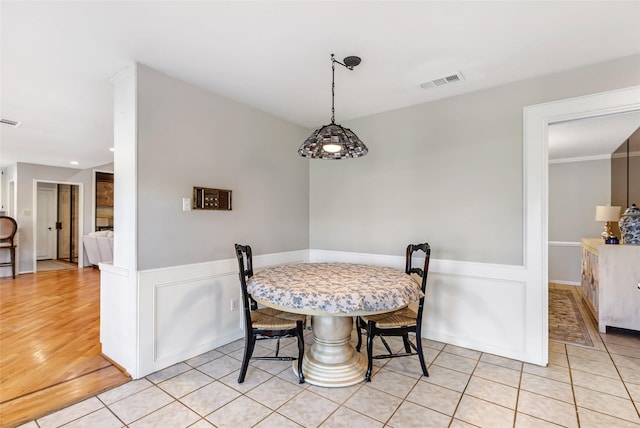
(118, 282)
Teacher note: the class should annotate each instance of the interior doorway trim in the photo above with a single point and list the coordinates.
(80, 219)
(536, 121)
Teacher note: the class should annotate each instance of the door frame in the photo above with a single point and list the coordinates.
(536, 121)
(80, 218)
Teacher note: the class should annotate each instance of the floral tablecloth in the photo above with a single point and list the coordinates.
(334, 288)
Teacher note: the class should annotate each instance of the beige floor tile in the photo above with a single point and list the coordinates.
(230, 347)
(290, 376)
(274, 392)
(588, 354)
(548, 409)
(561, 374)
(202, 423)
(347, 418)
(607, 404)
(457, 423)
(373, 403)
(463, 352)
(124, 391)
(408, 366)
(410, 415)
(493, 392)
(557, 347)
(595, 367)
(204, 358)
(274, 367)
(253, 378)
(102, 418)
(599, 383)
(634, 391)
(455, 362)
(242, 411)
(435, 397)
(338, 395)
(141, 404)
(629, 375)
(220, 367)
(433, 344)
(277, 420)
(501, 361)
(591, 419)
(547, 387)
(497, 374)
(209, 398)
(628, 351)
(174, 415)
(169, 372)
(558, 359)
(525, 421)
(626, 361)
(484, 414)
(393, 382)
(621, 339)
(308, 409)
(185, 383)
(447, 378)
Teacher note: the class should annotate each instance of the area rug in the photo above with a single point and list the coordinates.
(565, 321)
(47, 265)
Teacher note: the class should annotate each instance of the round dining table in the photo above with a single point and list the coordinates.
(332, 293)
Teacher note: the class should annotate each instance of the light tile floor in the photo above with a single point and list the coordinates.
(581, 387)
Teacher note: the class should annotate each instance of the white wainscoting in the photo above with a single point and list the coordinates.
(185, 311)
(474, 305)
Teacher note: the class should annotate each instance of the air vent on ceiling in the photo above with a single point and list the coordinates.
(441, 81)
(10, 122)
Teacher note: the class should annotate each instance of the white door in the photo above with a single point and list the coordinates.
(46, 224)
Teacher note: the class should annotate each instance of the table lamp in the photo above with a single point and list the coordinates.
(608, 213)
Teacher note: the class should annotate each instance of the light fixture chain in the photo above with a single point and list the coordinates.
(333, 89)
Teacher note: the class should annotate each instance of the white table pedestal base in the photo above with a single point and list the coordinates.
(332, 361)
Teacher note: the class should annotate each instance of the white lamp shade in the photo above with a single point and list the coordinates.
(607, 213)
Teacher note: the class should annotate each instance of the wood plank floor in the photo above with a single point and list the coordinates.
(50, 343)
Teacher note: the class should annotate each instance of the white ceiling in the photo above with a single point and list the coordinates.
(57, 57)
(591, 138)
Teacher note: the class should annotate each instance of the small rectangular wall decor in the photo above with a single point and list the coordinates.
(205, 198)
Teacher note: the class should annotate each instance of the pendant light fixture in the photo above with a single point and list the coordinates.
(333, 141)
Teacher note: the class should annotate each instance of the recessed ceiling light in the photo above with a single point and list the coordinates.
(74, 163)
(112, 149)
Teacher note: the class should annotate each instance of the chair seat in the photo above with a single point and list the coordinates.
(401, 318)
(273, 319)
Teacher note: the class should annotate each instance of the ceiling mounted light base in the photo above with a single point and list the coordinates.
(334, 141)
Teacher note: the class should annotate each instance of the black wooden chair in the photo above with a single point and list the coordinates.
(400, 322)
(8, 229)
(265, 323)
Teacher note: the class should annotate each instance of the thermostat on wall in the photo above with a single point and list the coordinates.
(205, 198)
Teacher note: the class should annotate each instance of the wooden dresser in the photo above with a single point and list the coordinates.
(611, 283)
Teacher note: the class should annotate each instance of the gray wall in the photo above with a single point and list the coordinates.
(575, 188)
(448, 172)
(190, 137)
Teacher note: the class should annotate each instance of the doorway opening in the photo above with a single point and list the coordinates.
(58, 226)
